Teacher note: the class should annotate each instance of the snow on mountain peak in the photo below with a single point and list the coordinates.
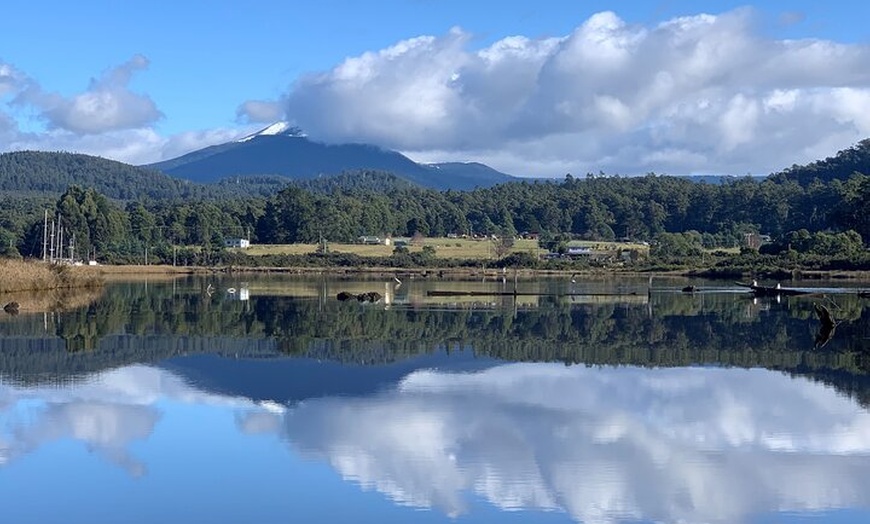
(278, 128)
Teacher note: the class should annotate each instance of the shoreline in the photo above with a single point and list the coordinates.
(128, 271)
(38, 277)
(35, 287)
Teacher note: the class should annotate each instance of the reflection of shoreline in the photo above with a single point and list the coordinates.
(52, 301)
(146, 323)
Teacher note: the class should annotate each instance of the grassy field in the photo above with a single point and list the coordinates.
(449, 248)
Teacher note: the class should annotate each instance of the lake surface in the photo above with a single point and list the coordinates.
(243, 399)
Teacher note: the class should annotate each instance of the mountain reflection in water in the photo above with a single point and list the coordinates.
(702, 408)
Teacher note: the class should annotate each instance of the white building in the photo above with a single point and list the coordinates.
(237, 242)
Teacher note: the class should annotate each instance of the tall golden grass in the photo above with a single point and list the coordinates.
(16, 275)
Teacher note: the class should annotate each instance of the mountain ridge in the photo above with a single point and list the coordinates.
(284, 150)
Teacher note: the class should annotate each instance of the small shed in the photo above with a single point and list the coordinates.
(237, 242)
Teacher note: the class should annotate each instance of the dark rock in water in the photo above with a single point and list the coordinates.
(689, 289)
(369, 296)
(11, 308)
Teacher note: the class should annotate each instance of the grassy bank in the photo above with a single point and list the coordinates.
(18, 276)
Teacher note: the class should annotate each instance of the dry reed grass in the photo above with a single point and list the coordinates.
(16, 275)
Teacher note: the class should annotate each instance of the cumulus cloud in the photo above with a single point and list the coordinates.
(691, 94)
(603, 445)
(11, 80)
(106, 105)
(260, 111)
(107, 119)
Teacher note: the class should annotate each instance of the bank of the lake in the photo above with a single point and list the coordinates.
(151, 272)
(33, 276)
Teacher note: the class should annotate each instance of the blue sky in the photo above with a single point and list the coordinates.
(534, 89)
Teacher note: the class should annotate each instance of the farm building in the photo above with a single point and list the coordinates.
(237, 242)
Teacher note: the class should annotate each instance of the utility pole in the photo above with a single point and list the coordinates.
(51, 245)
(45, 236)
(59, 239)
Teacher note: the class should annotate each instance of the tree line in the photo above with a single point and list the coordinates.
(664, 210)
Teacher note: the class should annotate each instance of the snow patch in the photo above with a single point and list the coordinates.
(278, 128)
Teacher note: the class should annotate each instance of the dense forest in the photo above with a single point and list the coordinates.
(118, 211)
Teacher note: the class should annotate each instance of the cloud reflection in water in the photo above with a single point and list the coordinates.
(107, 413)
(687, 444)
(601, 444)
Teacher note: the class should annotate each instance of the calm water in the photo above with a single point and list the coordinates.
(268, 400)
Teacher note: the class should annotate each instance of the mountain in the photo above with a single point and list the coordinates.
(470, 174)
(282, 150)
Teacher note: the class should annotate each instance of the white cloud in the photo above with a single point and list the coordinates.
(133, 146)
(106, 120)
(695, 94)
(604, 445)
(181, 143)
(107, 104)
(11, 80)
(261, 111)
(710, 87)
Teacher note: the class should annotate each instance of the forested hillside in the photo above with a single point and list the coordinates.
(51, 172)
(667, 211)
(841, 166)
